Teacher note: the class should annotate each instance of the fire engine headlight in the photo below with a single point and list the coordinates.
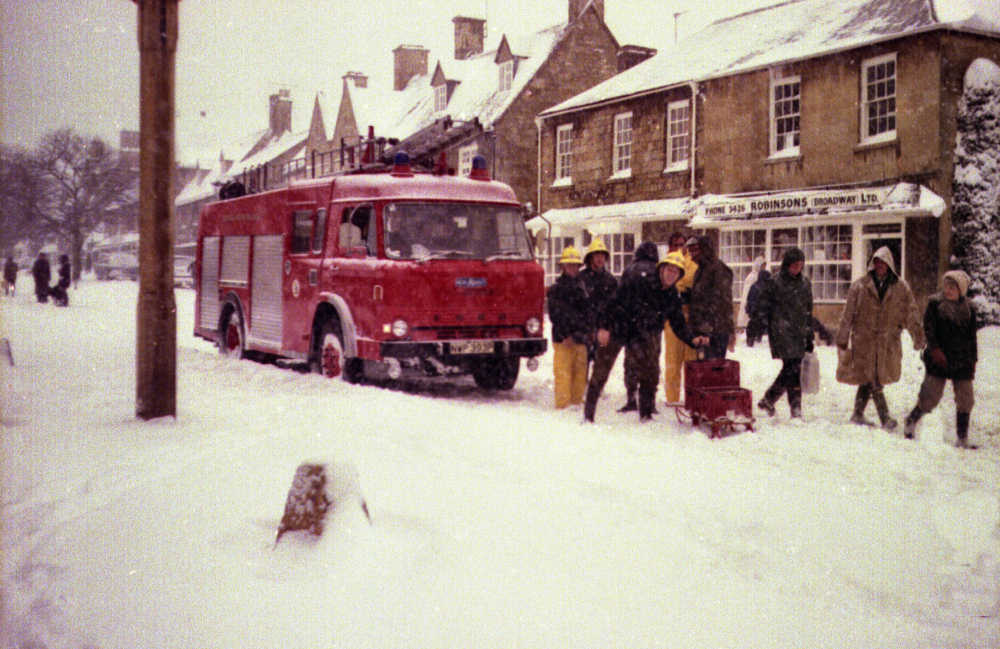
(533, 326)
(400, 328)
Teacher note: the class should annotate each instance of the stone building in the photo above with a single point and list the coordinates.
(827, 126)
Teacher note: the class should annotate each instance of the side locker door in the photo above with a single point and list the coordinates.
(208, 290)
(265, 316)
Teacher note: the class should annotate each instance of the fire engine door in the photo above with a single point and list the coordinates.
(352, 270)
(302, 275)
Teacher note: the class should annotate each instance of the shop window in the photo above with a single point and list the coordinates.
(828, 250)
(622, 247)
(739, 248)
(781, 241)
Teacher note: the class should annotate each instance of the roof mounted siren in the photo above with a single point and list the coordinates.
(479, 169)
(401, 165)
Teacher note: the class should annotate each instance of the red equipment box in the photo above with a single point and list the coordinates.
(718, 373)
(734, 404)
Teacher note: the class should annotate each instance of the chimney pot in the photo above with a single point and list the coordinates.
(470, 36)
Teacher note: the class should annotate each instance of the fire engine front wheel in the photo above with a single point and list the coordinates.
(331, 361)
(497, 374)
(231, 337)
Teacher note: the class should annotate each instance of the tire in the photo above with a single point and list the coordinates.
(232, 334)
(497, 374)
(330, 359)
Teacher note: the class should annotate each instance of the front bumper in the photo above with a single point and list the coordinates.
(455, 351)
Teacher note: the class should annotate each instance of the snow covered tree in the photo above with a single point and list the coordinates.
(86, 184)
(976, 210)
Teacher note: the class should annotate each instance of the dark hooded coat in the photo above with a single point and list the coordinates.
(569, 309)
(785, 310)
(710, 309)
(636, 310)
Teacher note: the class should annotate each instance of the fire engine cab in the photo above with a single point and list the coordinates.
(374, 274)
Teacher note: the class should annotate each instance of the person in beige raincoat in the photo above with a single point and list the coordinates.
(879, 306)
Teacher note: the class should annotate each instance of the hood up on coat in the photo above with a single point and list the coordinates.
(757, 265)
(960, 278)
(885, 255)
(793, 255)
(647, 251)
(705, 243)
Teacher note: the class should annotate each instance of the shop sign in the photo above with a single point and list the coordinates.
(801, 203)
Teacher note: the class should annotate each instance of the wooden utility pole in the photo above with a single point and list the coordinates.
(156, 319)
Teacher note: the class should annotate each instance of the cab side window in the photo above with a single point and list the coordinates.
(357, 229)
(302, 231)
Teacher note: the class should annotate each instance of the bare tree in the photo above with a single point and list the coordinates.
(86, 184)
(21, 191)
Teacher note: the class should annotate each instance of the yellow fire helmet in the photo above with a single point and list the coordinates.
(675, 258)
(597, 245)
(570, 255)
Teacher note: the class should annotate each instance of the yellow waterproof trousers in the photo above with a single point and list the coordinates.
(675, 352)
(569, 365)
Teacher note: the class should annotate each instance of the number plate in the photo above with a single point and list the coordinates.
(471, 347)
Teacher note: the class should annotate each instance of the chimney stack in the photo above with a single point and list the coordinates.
(576, 8)
(359, 78)
(280, 116)
(470, 35)
(409, 61)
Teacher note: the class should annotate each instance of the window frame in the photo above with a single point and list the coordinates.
(777, 115)
(440, 97)
(564, 154)
(506, 75)
(303, 222)
(621, 157)
(866, 101)
(675, 164)
(465, 156)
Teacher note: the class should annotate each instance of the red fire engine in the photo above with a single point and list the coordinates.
(374, 274)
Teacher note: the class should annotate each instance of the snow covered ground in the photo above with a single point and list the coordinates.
(497, 521)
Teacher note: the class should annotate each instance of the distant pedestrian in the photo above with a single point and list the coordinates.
(711, 299)
(743, 311)
(785, 312)
(879, 306)
(952, 351)
(754, 331)
(42, 274)
(569, 313)
(9, 276)
(675, 351)
(60, 292)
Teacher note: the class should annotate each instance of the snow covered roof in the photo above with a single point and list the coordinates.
(275, 148)
(477, 95)
(789, 31)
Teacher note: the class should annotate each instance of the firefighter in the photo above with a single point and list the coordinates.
(675, 351)
(569, 313)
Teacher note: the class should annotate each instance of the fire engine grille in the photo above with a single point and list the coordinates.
(467, 332)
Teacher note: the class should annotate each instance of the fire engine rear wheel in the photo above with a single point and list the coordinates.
(497, 374)
(231, 336)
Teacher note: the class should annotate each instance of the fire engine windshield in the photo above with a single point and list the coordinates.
(423, 231)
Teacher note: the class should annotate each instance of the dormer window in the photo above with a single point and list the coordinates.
(506, 75)
(440, 97)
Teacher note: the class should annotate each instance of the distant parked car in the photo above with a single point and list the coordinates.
(184, 271)
(117, 265)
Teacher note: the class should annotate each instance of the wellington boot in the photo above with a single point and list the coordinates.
(888, 423)
(860, 403)
(629, 406)
(910, 425)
